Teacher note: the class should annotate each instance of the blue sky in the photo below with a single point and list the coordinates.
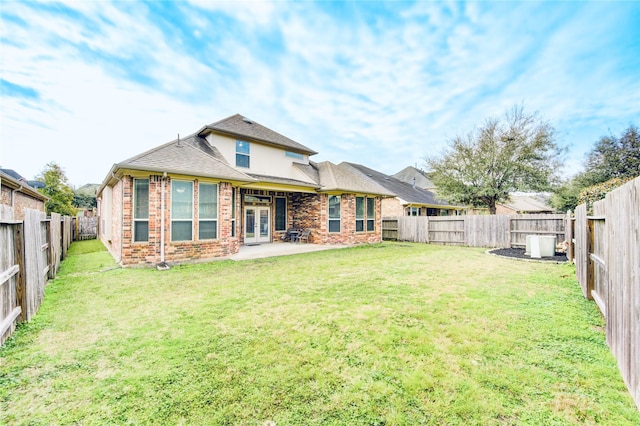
(384, 84)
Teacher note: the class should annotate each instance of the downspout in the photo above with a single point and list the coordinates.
(164, 177)
(162, 266)
(113, 175)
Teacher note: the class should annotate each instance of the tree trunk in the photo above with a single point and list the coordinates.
(492, 206)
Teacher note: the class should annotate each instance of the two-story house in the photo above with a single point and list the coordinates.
(231, 183)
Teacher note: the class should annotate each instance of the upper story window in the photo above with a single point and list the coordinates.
(243, 149)
(141, 210)
(295, 155)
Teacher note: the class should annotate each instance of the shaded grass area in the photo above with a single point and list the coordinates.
(388, 334)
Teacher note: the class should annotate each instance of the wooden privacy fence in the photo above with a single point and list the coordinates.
(30, 254)
(474, 231)
(607, 258)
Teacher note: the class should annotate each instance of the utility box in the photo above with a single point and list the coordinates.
(538, 246)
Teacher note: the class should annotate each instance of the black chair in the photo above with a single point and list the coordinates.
(289, 235)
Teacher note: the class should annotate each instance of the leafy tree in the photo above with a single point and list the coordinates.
(85, 196)
(517, 153)
(56, 187)
(598, 191)
(611, 162)
(614, 157)
(84, 201)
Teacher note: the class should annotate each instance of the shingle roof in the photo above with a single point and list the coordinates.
(400, 189)
(19, 184)
(281, 180)
(190, 156)
(526, 203)
(240, 126)
(343, 178)
(409, 173)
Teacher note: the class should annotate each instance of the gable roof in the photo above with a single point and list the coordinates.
(242, 127)
(191, 156)
(408, 174)
(342, 178)
(402, 190)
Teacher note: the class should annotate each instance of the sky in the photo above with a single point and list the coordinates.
(384, 84)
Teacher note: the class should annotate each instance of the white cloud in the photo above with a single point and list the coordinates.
(381, 91)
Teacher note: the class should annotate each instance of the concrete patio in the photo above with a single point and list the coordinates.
(260, 251)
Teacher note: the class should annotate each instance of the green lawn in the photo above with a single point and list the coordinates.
(393, 334)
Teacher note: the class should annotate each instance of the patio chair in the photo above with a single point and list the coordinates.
(304, 236)
(289, 235)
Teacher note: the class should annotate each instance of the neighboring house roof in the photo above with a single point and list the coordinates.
(15, 175)
(343, 178)
(242, 127)
(408, 174)
(408, 194)
(19, 184)
(527, 204)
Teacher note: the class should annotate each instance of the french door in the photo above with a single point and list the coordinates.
(256, 225)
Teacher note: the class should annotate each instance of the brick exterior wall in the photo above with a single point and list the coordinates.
(391, 207)
(348, 234)
(303, 211)
(19, 201)
(149, 252)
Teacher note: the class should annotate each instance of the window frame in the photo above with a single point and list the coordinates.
(335, 218)
(214, 219)
(135, 214)
(240, 153)
(360, 215)
(275, 214)
(371, 214)
(173, 209)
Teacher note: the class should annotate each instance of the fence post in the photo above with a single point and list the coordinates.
(568, 235)
(591, 269)
(18, 250)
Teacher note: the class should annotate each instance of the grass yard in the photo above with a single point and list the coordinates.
(388, 334)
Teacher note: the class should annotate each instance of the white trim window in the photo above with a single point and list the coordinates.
(365, 214)
(334, 213)
(360, 208)
(140, 210)
(243, 153)
(181, 210)
(414, 211)
(371, 214)
(207, 211)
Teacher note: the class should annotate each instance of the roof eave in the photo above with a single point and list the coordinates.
(208, 129)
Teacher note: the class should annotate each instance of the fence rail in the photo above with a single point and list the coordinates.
(607, 258)
(475, 231)
(30, 254)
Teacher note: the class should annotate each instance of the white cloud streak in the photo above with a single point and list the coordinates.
(384, 90)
